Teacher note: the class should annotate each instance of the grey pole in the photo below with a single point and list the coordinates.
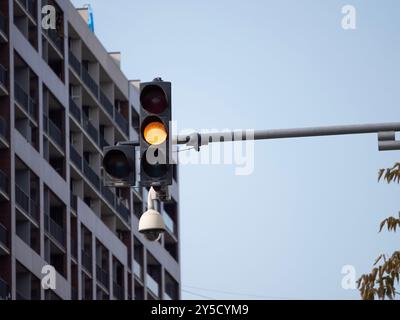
(386, 134)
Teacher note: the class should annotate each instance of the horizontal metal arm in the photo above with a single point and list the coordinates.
(205, 138)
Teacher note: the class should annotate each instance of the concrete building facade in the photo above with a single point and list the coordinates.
(63, 98)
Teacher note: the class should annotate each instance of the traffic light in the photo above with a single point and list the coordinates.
(119, 164)
(155, 140)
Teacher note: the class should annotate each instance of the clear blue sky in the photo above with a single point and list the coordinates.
(312, 205)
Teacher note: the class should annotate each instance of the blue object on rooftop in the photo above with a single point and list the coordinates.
(90, 18)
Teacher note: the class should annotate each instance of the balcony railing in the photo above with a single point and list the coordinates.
(103, 142)
(90, 83)
(109, 195)
(74, 293)
(3, 128)
(74, 248)
(56, 134)
(3, 182)
(90, 128)
(152, 285)
(5, 293)
(118, 291)
(107, 104)
(86, 261)
(3, 75)
(55, 230)
(74, 202)
(123, 211)
(21, 296)
(29, 6)
(3, 23)
(137, 269)
(75, 64)
(167, 297)
(121, 122)
(3, 235)
(91, 175)
(103, 277)
(53, 131)
(75, 157)
(75, 111)
(55, 39)
(26, 204)
(25, 100)
(169, 223)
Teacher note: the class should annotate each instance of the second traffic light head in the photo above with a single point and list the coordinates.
(119, 165)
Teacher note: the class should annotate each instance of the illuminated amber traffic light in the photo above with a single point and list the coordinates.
(155, 133)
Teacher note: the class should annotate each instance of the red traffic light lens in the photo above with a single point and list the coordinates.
(153, 99)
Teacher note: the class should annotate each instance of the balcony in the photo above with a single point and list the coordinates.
(89, 82)
(75, 111)
(56, 39)
(3, 24)
(90, 129)
(74, 202)
(91, 175)
(107, 104)
(74, 248)
(103, 142)
(169, 223)
(3, 129)
(118, 291)
(86, 261)
(21, 297)
(25, 101)
(137, 269)
(54, 229)
(5, 293)
(122, 122)
(167, 297)
(75, 157)
(29, 6)
(3, 235)
(26, 204)
(75, 64)
(123, 211)
(3, 183)
(152, 285)
(74, 293)
(108, 195)
(103, 277)
(53, 131)
(3, 76)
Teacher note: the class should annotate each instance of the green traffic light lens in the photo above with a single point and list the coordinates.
(154, 163)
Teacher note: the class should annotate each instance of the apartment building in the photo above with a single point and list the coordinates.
(63, 98)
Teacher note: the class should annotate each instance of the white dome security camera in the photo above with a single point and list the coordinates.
(151, 225)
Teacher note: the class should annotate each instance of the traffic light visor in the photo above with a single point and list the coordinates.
(155, 133)
(116, 164)
(153, 99)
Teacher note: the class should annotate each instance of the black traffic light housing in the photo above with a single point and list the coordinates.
(155, 157)
(119, 165)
